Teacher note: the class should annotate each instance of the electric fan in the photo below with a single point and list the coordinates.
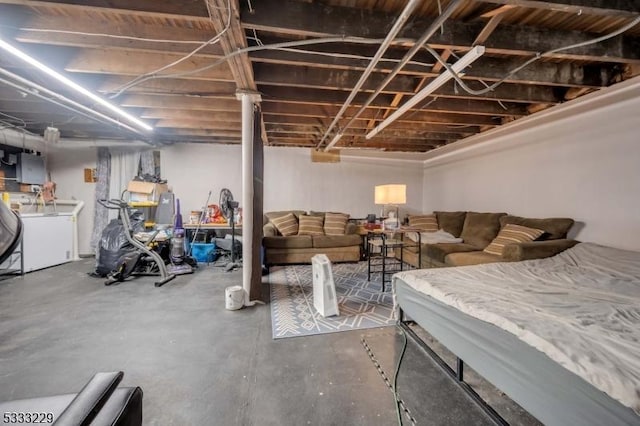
(227, 207)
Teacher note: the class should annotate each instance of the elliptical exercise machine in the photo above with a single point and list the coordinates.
(143, 261)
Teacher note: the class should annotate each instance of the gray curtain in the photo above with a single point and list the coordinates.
(101, 215)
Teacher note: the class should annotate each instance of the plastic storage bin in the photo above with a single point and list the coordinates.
(203, 252)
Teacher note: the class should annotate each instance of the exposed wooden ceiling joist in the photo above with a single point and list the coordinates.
(182, 103)
(320, 20)
(68, 31)
(191, 10)
(621, 8)
(161, 113)
(489, 69)
(279, 119)
(105, 44)
(134, 63)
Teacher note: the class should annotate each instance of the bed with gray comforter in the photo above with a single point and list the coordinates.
(560, 336)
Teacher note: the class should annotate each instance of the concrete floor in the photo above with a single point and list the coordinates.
(200, 364)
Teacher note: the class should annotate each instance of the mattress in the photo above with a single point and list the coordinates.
(580, 308)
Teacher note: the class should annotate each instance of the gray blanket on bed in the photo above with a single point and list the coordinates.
(581, 308)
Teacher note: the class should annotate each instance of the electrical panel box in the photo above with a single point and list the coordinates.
(30, 169)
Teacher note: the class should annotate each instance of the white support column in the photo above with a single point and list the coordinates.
(248, 100)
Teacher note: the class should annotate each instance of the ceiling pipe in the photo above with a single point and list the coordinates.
(435, 84)
(397, 26)
(435, 25)
(62, 98)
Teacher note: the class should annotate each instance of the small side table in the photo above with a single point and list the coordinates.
(381, 250)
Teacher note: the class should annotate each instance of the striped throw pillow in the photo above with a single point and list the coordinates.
(286, 225)
(311, 225)
(426, 222)
(512, 234)
(335, 223)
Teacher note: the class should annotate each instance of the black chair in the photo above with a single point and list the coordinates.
(100, 403)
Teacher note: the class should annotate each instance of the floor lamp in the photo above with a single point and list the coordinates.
(390, 196)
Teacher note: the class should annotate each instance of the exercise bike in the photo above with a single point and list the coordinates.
(143, 260)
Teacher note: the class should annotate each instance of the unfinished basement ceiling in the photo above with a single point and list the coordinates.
(107, 45)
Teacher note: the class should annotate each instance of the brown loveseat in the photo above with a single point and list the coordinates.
(280, 250)
(478, 230)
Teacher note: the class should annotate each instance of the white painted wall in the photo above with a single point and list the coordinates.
(292, 181)
(192, 170)
(581, 161)
(67, 171)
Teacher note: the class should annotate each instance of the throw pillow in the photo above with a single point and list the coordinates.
(512, 234)
(427, 222)
(311, 225)
(335, 223)
(286, 225)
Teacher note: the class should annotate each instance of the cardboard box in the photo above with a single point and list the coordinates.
(145, 191)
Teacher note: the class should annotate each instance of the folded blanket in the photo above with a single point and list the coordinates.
(439, 236)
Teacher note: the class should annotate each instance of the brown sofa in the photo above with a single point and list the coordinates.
(477, 230)
(279, 250)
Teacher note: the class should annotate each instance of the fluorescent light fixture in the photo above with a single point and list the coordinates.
(461, 64)
(61, 78)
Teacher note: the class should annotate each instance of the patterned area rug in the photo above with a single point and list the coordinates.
(360, 302)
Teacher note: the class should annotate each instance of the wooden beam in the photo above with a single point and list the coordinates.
(294, 120)
(437, 67)
(190, 10)
(173, 86)
(202, 140)
(510, 92)
(506, 92)
(128, 62)
(388, 134)
(538, 107)
(485, 68)
(576, 92)
(384, 146)
(183, 103)
(293, 76)
(196, 124)
(465, 106)
(198, 133)
(318, 96)
(490, 26)
(315, 19)
(124, 36)
(617, 8)
(173, 114)
(233, 40)
(495, 12)
(412, 116)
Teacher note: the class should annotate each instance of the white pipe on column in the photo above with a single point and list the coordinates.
(247, 193)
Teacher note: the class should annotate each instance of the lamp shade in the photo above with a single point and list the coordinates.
(391, 194)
